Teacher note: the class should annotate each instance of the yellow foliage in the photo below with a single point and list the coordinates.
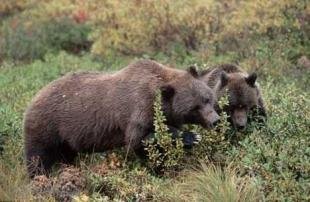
(48, 9)
(7, 6)
(256, 16)
(137, 27)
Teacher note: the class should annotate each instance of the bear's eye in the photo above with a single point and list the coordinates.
(196, 108)
(205, 100)
(241, 106)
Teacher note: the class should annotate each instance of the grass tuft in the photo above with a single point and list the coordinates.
(214, 184)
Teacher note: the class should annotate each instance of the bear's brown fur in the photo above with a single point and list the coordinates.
(243, 91)
(94, 112)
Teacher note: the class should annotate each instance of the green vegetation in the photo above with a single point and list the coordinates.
(211, 183)
(42, 40)
(163, 152)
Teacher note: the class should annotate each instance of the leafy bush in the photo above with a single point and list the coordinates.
(136, 28)
(278, 155)
(24, 41)
(214, 143)
(206, 25)
(67, 34)
(8, 7)
(163, 151)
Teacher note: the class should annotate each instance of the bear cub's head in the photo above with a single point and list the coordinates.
(243, 96)
(188, 100)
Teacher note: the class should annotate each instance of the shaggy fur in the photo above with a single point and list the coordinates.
(95, 112)
(243, 91)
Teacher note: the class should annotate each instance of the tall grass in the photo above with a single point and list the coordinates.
(211, 183)
(14, 183)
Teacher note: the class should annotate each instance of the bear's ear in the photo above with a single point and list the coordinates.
(251, 79)
(193, 71)
(224, 79)
(167, 92)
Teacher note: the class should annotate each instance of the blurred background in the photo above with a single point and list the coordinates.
(237, 30)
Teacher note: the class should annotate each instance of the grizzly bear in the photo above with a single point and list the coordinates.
(244, 93)
(95, 112)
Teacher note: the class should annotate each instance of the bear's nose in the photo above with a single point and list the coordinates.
(241, 127)
(215, 123)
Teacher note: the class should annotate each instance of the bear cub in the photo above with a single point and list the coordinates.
(244, 93)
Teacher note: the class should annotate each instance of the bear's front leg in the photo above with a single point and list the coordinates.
(189, 139)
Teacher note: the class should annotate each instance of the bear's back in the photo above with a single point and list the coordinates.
(149, 70)
(212, 75)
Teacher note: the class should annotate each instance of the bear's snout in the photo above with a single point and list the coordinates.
(239, 118)
(210, 117)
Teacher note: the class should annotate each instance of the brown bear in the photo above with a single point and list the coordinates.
(244, 93)
(95, 112)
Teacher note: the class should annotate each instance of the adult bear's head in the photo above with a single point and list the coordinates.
(188, 100)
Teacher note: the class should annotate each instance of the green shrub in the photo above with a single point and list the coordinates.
(22, 43)
(163, 151)
(207, 26)
(214, 143)
(162, 25)
(170, 27)
(9, 7)
(25, 41)
(278, 155)
(9, 125)
(67, 34)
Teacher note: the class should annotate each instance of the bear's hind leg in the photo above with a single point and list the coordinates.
(67, 154)
(39, 161)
